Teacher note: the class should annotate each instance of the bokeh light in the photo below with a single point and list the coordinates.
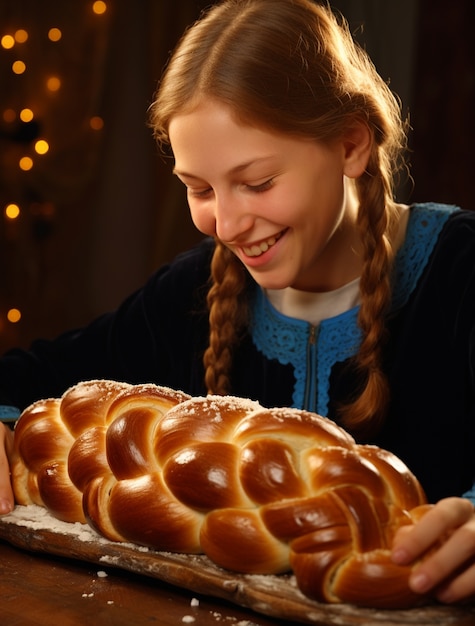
(21, 35)
(14, 315)
(19, 67)
(9, 115)
(54, 34)
(7, 42)
(41, 146)
(96, 123)
(99, 7)
(26, 115)
(12, 211)
(26, 163)
(53, 83)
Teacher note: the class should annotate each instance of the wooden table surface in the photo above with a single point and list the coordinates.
(42, 590)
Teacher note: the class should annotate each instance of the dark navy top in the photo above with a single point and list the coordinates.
(160, 332)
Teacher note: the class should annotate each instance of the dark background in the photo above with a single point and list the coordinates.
(101, 210)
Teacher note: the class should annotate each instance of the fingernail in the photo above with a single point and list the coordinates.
(5, 506)
(419, 582)
(400, 556)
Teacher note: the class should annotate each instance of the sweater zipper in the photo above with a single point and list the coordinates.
(311, 377)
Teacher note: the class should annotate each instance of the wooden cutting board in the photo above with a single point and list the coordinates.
(32, 528)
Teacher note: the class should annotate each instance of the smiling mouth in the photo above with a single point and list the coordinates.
(258, 249)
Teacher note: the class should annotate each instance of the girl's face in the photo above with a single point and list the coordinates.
(282, 204)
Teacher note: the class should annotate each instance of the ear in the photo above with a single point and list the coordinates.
(357, 143)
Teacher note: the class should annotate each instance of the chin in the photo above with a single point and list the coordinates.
(270, 284)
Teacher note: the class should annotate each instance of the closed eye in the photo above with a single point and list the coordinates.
(262, 187)
(203, 193)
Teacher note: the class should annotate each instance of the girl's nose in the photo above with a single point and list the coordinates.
(232, 218)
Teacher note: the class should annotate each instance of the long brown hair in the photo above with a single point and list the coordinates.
(293, 66)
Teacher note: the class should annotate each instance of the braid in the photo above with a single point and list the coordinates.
(226, 317)
(366, 413)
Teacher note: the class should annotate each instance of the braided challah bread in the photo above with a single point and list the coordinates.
(257, 490)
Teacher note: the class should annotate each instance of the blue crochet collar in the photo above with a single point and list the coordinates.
(313, 351)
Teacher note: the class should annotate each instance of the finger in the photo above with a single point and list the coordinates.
(6, 493)
(460, 588)
(411, 542)
(449, 563)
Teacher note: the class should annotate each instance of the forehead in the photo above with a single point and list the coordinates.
(211, 120)
(211, 136)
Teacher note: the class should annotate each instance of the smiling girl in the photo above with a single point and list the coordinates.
(315, 288)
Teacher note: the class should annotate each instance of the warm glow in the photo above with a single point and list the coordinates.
(54, 34)
(12, 211)
(26, 115)
(21, 35)
(7, 42)
(14, 316)
(99, 7)
(26, 163)
(18, 67)
(42, 209)
(96, 123)
(53, 83)
(9, 115)
(41, 146)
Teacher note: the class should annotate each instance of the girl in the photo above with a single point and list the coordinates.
(315, 289)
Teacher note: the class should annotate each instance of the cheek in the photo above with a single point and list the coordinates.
(295, 208)
(202, 217)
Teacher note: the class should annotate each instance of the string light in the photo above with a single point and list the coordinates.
(26, 115)
(99, 7)
(12, 211)
(7, 42)
(14, 315)
(41, 146)
(18, 67)
(21, 36)
(54, 34)
(30, 127)
(26, 163)
(9, 115)
(53, 83)
(96, 122)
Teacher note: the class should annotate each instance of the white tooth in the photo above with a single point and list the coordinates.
(257, 250)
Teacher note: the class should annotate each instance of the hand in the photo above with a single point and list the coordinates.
(6, 493)
(447, 530)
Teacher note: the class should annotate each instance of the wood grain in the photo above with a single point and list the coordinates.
(274, 596)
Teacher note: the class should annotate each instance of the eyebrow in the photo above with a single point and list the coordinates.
(235, 170)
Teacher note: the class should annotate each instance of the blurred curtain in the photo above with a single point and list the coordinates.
(141, 218)
(444, 103)
(100, 210)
